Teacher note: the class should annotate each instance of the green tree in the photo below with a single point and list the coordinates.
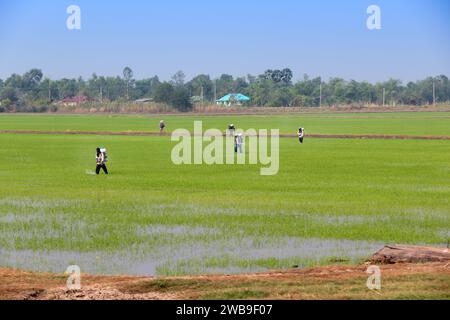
(128, 77)
(67, 88)
(278, 76)
(201, 86)
(178, 78)
(240, 85)
(273, 88)
(224, 85)
(9, 93)
(181, 99)
(14, 81)
(48, 90)
(146, 87)
(261, 91)
(164, 93)
(31, 79)
(281, 97)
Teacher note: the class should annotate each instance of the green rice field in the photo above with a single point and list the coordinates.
(402, 123)
(332, 201)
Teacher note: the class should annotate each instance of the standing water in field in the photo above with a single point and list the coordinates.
(233, 256)
(49, 235)
(62, 238)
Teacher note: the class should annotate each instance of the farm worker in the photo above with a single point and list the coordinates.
(301, 134)
(238, 141)
(161, 126)
(101, 160)
(231, 129)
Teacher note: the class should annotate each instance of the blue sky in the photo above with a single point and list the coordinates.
(322, 37)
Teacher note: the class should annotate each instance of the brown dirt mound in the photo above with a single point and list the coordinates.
(410, 254)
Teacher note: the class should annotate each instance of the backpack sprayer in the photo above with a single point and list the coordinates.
(105, 154)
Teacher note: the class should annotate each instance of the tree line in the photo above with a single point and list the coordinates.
(273, 88)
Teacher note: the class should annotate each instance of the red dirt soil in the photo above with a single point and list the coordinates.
(22, 285)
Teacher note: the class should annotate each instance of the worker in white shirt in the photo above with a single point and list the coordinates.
(238, 141)
(301, 134)
(101, 159)
(231, 129)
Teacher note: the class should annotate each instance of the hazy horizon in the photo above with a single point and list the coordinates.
(321, 38)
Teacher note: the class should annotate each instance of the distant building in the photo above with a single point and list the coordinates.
(143, 100)
(233, 99)
(74, 101)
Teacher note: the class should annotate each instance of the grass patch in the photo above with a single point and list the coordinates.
(401, 123)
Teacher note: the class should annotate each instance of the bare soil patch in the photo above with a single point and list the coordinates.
(313, 283)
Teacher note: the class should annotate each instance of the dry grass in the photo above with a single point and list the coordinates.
(159, 108)
(402, 281)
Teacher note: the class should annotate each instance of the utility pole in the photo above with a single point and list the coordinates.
(320, 96)
(101, 93)
(384, 97)
(215, 91)
(49, 91)
(202, 95)
(434, 92)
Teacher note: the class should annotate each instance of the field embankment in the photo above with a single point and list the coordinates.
(142, 133)
(400, 281)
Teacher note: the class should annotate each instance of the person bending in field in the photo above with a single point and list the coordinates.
(161, 126)
(301, 134)
(101, 160)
